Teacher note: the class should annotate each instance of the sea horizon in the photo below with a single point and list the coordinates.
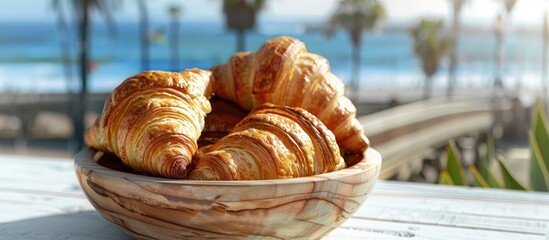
(34, 48)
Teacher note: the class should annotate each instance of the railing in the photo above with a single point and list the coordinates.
(409, 132)
(401, 133)
(29, 129)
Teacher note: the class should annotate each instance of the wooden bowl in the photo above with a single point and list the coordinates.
(158, 208)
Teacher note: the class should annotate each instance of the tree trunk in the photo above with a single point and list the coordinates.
(83, 52)
(65, 47)
(427, 88)
(456, 25)
(240, 40)
(501, 39)
(144, 29)
(355, 75)
(175, 44)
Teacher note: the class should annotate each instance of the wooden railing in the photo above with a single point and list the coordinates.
(400, 133)
(29, 130)
(408, 132)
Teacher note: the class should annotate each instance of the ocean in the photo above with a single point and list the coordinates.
(30, 55)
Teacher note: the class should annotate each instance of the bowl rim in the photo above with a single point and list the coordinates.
(371, 161)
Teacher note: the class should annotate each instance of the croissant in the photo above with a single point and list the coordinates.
(282, 72)
(272, 142)
(152, 121)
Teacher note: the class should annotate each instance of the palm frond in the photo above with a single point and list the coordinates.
(104, 7)
(509, 5)
(430, 44)
(256, 5)
(355, 17)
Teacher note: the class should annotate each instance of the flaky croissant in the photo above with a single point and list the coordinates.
(282, 72)
(152, 121)
(272, 142)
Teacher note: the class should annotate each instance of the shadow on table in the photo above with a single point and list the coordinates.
(80, 225)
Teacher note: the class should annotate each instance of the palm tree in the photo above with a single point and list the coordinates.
(504, 21)
(144, 32)
(430, 45)
(64, 43)
(174, 37)
(82, 8)
(457, 6)
(499, 52)
(356, 17)
(241, 16)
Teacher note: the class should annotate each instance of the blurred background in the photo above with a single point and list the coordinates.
(417, 63)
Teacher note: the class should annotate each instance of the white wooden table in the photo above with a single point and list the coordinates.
(40, 199)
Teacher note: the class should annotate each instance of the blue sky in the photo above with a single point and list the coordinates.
(528, 12)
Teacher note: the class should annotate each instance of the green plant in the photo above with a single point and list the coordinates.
(455, 169)
(484, 165)
(509, 180)
(539, 147)
(454, 174)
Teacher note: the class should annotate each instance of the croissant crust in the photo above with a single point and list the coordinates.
(272, 142)
(282, 72)
(300, 123)
(153, 120)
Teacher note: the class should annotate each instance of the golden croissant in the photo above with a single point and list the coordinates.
(152, 121)
(282, 72)
(272, 142)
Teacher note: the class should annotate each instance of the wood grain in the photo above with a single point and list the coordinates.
(157, 208)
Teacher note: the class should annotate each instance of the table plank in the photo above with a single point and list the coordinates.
(22, 205)
(423, 211)
(82, 225)
(40, 199)
(501, 210)
(384, 230)
(39, 174)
